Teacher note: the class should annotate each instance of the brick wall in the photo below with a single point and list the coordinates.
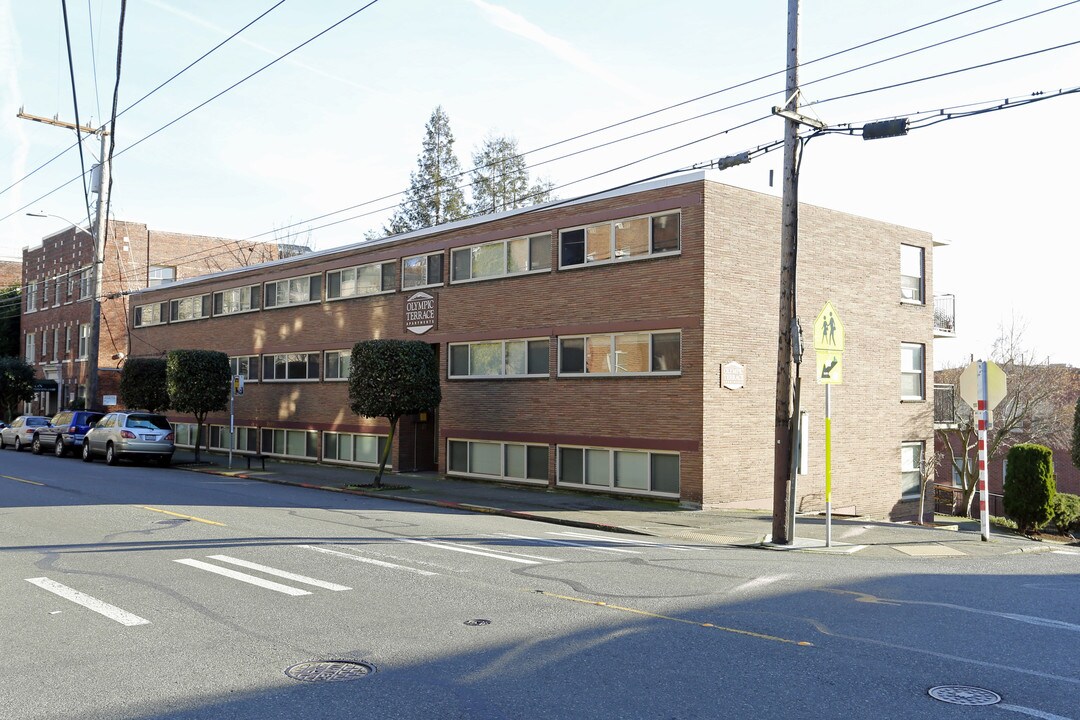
(10, 273)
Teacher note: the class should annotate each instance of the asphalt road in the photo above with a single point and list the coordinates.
(140, 592)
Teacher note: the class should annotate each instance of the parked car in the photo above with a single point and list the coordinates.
(65, 432)
(135, 435)
(20, 433)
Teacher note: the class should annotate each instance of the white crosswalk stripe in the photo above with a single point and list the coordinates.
(362, 559)
(552, 542)
(91, 603)
(627, 541)
(243, 577)
(509, 557)
(280, 573)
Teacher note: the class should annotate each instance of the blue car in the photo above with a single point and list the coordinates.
(64, 434)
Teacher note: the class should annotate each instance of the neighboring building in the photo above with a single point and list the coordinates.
(10, 274)
(57, 280)
(625, 343)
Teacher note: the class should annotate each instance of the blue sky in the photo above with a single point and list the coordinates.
(339, 122)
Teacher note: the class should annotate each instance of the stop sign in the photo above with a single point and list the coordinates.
(995, 385)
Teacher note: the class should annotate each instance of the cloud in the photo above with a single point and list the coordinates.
(511, 22)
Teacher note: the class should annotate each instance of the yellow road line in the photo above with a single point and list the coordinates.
(186, 517)
(646, 613)
(28, 482)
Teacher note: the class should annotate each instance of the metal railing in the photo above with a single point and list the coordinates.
(945, 314)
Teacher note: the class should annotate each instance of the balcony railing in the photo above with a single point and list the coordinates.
(944, 316)
(944, 405)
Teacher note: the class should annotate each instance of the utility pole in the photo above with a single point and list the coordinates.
(99, 229)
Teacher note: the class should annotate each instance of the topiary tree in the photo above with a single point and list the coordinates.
(391, 378)
(16, 384)
(1066, 515)
(199, 382)
(1029, 486)
(143, 384)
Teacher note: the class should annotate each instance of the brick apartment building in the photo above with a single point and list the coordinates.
(623, 343)
(57, 281)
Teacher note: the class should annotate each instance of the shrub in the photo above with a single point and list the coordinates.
(1029, 486)
(1066, 513)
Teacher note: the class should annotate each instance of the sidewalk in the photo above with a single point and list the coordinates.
(634, 516)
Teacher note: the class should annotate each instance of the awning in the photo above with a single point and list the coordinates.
(44, 385)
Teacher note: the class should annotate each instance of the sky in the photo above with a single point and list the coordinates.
(338, 123)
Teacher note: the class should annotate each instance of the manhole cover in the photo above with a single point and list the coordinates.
(477, 622)
(964, 695)
(329, 671)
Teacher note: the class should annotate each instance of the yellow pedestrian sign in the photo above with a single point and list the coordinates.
(830, 367)
(828, 330)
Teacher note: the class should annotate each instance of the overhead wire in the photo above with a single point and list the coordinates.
(75, 104)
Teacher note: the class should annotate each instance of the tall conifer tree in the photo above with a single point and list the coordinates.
(500, 180)
(433, 196)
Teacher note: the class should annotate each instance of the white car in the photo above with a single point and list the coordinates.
(20, 433)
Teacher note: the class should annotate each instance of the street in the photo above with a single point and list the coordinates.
(141, 592)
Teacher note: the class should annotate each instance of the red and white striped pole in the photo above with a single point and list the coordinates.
(983, 419)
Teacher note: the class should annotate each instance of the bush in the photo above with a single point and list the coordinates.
(1066, 513)
(1029, 486)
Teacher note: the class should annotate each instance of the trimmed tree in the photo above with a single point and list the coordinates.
(10, 316)
(1076, 436)
(199, 383)
(143, 384)
(16, 384)
(1029, 486)
(392, 378)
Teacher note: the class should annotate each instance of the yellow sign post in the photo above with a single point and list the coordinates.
(829, 344)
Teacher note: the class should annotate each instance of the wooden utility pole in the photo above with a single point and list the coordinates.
(98, 232)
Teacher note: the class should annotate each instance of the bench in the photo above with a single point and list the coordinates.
(256, 457)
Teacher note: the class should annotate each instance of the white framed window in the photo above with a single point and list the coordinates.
(632, 353)
(45, 293)
(421, 271)
(44, 344)
(911, 274)
(245, 439)
(58, 289)
(338, 364)
(516, 256)
(84, 283)
(290, 443)
(911, 455)
(152, 314)
(371, 279)
(189, 308)
(160, 275)
(84, 341)
(638, 471)
(31, 348)
(290, 366)
(67, 340)
(246, 366)
(498, 461)
(55, 343)
(499, 358)
(621, 240)
(72, 282)
(292, 291)
(184, 434)
(236, 300)
(31, 297)
(912, 370)
(354, 448)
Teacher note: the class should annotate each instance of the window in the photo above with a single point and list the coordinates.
(618, 240)
(626, 470)
(421, 271)
(291, 366)
(294, 291)
(910, 469)
(503, 461)
(911, 372)
(184, 434)
(290, 443)
(246, 438)
(189, 308)
(84, 341)
(44, 343)
(31, 348)
(353, 448)
(363, 280)
(160, 275)
(55, 344)
(84, 284)
(58, 289)
(338, 363)
(31, 297)
(45, 293)
(246, 366)
(153, 314)
(500, 358)
(911, 273)
(236, 300)
(67, 340)
(503, 257)
(636, 353)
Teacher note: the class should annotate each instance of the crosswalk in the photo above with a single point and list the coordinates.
(411, 557)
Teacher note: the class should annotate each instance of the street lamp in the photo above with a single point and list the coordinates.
(95, 312)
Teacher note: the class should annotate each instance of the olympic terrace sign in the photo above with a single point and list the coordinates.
(421, 312)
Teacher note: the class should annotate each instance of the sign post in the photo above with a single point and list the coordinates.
(237, 389)
(829, 344)
(982, 386)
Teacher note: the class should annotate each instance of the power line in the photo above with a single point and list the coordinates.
(75, 103)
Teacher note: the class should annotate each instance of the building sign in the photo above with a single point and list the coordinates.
(733, 375)
(421, 312)
(108, 399)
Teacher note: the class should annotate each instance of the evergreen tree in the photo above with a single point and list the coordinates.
(1076, 436)
(433, 196)
(500, 179)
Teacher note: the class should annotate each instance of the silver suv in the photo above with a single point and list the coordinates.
(135, 435)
